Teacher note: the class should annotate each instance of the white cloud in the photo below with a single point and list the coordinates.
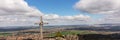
(98, 6)
(18, 12)
(15, 12)
(11, 7)
(75, 19)
(109, 8)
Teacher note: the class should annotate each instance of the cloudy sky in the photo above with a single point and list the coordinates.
(59, 12)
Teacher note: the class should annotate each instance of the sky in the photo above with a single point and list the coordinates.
(59, 7)
(59, 12)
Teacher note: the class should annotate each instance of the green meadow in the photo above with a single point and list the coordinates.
(5, 34)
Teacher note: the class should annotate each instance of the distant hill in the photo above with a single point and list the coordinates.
(101, 27)
(97, 27)
(16, 28)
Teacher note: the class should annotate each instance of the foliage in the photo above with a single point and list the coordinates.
(73, 32)
(5, 34)
(58, 34)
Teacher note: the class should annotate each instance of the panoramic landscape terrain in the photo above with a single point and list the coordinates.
(59, 19)
(81, 32)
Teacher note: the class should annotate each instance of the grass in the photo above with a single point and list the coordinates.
(5, 34)
(72, 32)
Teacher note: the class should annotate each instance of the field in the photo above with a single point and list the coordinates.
(71, 32)
(68, 32)
(5, 34)
(65, 34)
